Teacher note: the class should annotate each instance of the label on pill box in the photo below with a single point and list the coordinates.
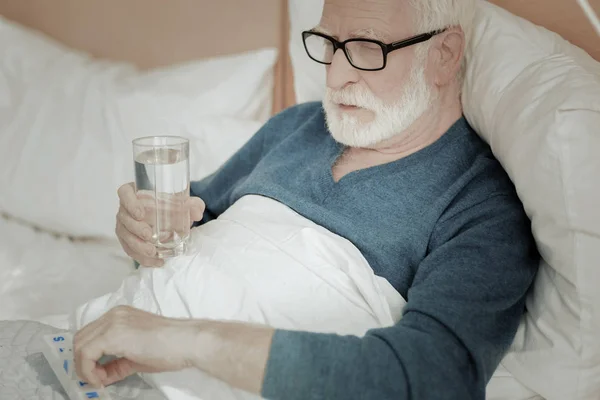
(59, 354)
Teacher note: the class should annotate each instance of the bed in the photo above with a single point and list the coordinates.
(49, 260)
(56, 253)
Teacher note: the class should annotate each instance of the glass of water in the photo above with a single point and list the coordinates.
(162, 183)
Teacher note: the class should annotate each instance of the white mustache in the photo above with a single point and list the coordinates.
(356, 98)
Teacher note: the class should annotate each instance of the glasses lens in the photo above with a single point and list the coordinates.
(319, 48)
(365, 55)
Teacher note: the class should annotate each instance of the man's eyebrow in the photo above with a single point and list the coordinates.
(324, 31)
(369, 33)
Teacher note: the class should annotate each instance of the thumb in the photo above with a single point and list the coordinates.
(119, 369)
(115, 371)
(196, 208)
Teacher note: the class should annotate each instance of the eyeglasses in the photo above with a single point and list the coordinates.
(362, 54)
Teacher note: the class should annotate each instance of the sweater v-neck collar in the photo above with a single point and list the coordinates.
(336, 149)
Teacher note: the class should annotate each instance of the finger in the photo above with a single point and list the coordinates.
(143, 260)
(116, 371)
(138, 247)
(170, 212)
(90, 372)
(197, 207)
(87, 350)
(151, 206)
(121, 368)
(130, 202)
(138, 228)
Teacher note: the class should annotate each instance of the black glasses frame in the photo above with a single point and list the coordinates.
(386, 48)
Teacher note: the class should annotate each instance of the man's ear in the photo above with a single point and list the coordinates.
(451, 49)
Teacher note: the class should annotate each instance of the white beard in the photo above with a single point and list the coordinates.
(389, 120)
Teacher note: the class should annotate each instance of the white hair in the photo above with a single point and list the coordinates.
(433, 15)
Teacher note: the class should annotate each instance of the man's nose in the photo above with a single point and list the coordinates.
(340, 72)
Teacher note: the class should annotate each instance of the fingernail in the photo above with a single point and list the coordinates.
(158, 263)
(151, 251)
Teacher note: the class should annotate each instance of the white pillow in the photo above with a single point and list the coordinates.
(67, 122)
(536, 99)
(309, 76)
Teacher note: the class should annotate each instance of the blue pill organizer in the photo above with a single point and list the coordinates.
(58, 350)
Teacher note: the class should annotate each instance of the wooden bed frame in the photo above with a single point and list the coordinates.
(153, 33)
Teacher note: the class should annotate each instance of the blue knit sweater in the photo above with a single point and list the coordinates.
(444, 226)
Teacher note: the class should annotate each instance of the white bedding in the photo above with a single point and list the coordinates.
(43, 276)
(261, 262)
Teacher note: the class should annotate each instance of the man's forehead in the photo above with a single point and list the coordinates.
(376, 19)
(370, 5)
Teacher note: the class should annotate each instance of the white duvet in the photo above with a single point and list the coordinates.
(259, 262)
(44, 276)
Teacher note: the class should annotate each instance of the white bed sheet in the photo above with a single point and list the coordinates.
(43, 276)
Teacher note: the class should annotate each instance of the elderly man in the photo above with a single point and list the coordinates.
(388, 162)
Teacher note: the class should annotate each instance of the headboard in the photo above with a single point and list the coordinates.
(564, 17)
(153, 33)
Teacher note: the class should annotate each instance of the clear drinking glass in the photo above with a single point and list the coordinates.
(162, 183)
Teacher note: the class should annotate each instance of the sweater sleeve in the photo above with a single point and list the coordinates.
(462, 313)
(216, 189)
